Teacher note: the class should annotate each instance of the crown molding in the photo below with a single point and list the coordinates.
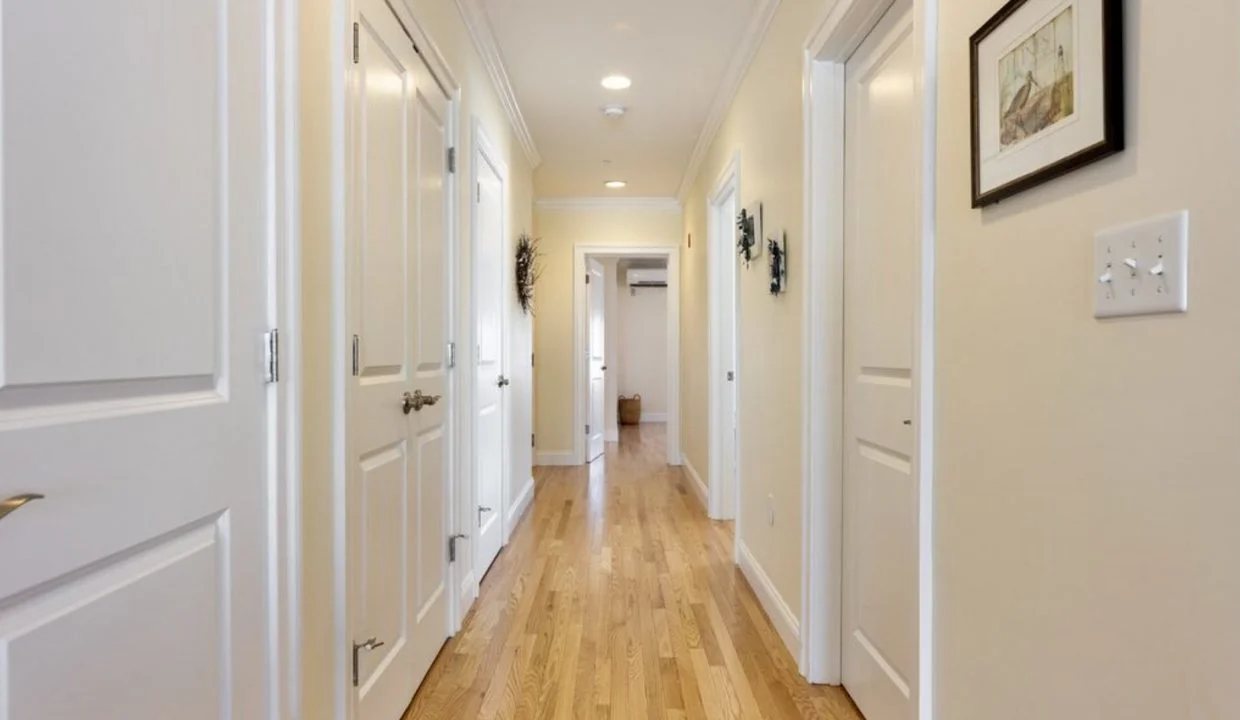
(654, 204)
(759, 23)
(479, 26)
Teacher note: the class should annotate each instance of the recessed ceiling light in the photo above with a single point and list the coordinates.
(615, 184)
(617, 82)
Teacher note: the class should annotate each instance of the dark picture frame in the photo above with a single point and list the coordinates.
(1111, 48)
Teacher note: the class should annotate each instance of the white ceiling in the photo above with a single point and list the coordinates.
(678, 54)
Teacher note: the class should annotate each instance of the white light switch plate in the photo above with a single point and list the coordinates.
(1142, 269)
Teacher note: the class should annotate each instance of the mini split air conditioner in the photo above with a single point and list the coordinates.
(648, 278)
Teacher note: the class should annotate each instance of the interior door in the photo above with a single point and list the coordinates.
(133, 290)
(398, 316)
(596, 358)
(491, 427)
(880, 490)
(728, 210)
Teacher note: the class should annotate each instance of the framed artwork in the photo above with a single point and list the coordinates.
(1048, 93)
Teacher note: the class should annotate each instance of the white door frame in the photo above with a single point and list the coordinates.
(344, 13)
(719, 260)
(485, 152)
(284, 303)
(827, 50)
(580, 380)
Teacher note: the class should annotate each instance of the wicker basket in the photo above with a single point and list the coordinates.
(630, 410)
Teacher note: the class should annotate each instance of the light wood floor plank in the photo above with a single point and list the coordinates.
(618, 599)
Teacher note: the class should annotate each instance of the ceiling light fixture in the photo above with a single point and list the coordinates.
(614, 111)
(617, 82)
(615, 184)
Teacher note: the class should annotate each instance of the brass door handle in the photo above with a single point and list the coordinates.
(415, 400)
(17, 502)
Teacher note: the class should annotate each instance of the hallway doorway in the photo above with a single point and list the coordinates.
(627, 336)
(723, 206)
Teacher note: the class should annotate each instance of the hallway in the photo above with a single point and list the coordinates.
(617, 598)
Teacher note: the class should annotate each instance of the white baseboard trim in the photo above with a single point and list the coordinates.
(654, 417)
(467, 596)
(519, 505)
(695, 481)
(555, 459)
(786, 624)
(613, 434)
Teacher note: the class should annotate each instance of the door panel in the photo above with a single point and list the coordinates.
(133, 253)
(880, 581)
(597, 360)
(491, 439)
(398, 308)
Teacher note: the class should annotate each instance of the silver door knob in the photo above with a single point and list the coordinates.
(17, 502)
(415, 400)
(503, 382)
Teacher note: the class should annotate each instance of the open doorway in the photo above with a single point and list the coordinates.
(628, 338)
(639, 315)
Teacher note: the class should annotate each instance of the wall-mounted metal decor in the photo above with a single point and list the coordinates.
(528, 271)
(778, 251)
(750, 228)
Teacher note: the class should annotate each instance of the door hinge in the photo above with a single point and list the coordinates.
(272, 343)
(587, 278)
(357, 52)
(451, 159)
(451, 355)
(357, 355)
(531, 359)
(479, 192)
(452, 546)
(532, 443)
(731, 376)
(587, 429)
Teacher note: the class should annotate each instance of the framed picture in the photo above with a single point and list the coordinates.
(1048, 93)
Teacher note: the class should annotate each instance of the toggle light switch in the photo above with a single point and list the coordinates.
(1160, 244)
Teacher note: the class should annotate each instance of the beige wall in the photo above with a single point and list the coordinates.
(1088, 483)
(323, 36)
(765, 126)
(561, 231)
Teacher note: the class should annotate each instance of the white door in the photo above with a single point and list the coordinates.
(398, 405)
(596, 359)
(491, 427)
(728, 209)
(134, 296)
(880, 490)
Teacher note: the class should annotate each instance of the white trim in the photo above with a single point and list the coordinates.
(695, 482)
(284, 444)
(717, 261)
(742, 57)
(613, 435)
(653, 417)
(475, 18)
(827, 50)
(466, 593)
(662, 204)
(580, 381)
(555, 459)
(520, 505)
(484, 151)
(782, 617)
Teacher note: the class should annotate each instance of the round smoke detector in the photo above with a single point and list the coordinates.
(614, 111)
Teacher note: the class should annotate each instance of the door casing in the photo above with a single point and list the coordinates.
(834, 39)
(580, 378)
(723, 271)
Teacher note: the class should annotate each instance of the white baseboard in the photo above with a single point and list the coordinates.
(613, 434)
(695, 482)
(519, 505)
(555, 459)
(468, 594)
(654, 417)
(786, 624)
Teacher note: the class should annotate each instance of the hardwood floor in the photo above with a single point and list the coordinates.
(617, 598)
